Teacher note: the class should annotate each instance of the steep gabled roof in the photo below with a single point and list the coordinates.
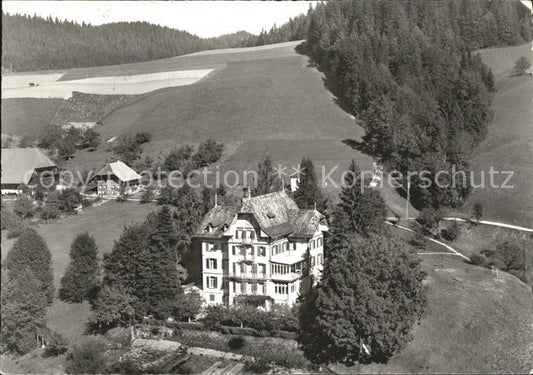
(305, 222)
(217, 220)
(276, 213)
(18, 164)
(121, 170)
(270, 209)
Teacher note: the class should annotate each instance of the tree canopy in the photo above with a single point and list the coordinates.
(80, 280)
(371, 294)
(30, 251)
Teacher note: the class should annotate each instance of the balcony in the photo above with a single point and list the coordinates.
(248, 275)
(245, 241)
(291, 276)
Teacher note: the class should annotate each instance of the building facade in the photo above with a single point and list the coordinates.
(266, 247)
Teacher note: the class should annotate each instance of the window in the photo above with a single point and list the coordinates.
(212, 297)
(237, 287)
(261, 251)
(281, 288)
(280, 269)
(293, 287)
(254, 288)
(250, 251)
(260, 288)
(212, 282)
(319, 241)
(286, 246)
(319, 259)
(261, 268)
(211, 264)
(275, 249)
(237, 234)
(234, 250)
(313, 260)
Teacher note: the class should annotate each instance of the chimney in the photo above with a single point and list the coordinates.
(246, 193)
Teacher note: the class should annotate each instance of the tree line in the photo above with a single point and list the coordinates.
(408, 73)
(35, 43)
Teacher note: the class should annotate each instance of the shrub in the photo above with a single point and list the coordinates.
(142, 137)
(452, 232)
(86, 202)
(10, 221)
(57, 345)
(477, 211)
(478, 259)
(236, 343)
(87, 358)
(50, 211)
(429, 218)
(522, 65)
(24, 207)
(147, 196)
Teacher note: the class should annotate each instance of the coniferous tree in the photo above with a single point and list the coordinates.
(362, 208)
(23, 310)
(164, 279)
(128, 265)
(370, 294)
(30, 251)
(267, 179)
(80, 281)
(309, 193)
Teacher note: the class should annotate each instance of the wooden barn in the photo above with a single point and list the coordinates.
(25, 167)
(116, 178)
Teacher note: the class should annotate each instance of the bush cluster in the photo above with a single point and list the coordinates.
(250, 320)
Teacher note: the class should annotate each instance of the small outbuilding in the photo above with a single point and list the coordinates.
(117, 178)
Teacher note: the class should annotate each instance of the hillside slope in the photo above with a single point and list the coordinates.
(509, 143)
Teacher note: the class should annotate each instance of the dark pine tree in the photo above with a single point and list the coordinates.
(164, 281)
(80, 281)
(362, 209)
(30, 251)
(309, 193)
(23, 310)
(370, 294)
(267, 180)
(128, 266)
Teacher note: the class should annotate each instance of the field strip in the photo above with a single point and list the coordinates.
(45, 87)
(455, 252)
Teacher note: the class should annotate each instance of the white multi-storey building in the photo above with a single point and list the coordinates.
(267, 246)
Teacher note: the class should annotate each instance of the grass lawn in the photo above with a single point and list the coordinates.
(105, 223)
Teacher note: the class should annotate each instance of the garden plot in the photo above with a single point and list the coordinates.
(49, 87)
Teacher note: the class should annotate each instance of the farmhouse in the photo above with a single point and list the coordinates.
(116, 178)
(25, 167)
(266, 247)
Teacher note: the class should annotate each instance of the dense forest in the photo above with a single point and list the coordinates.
(407, 72)
(34, 43)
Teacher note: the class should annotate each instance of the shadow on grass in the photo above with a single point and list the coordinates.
(329, 80)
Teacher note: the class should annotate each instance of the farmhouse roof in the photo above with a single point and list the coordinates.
(18, 164)
(276, 213)
(121, 170)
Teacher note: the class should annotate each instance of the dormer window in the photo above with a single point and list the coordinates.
(209, 228)
(271, 215)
